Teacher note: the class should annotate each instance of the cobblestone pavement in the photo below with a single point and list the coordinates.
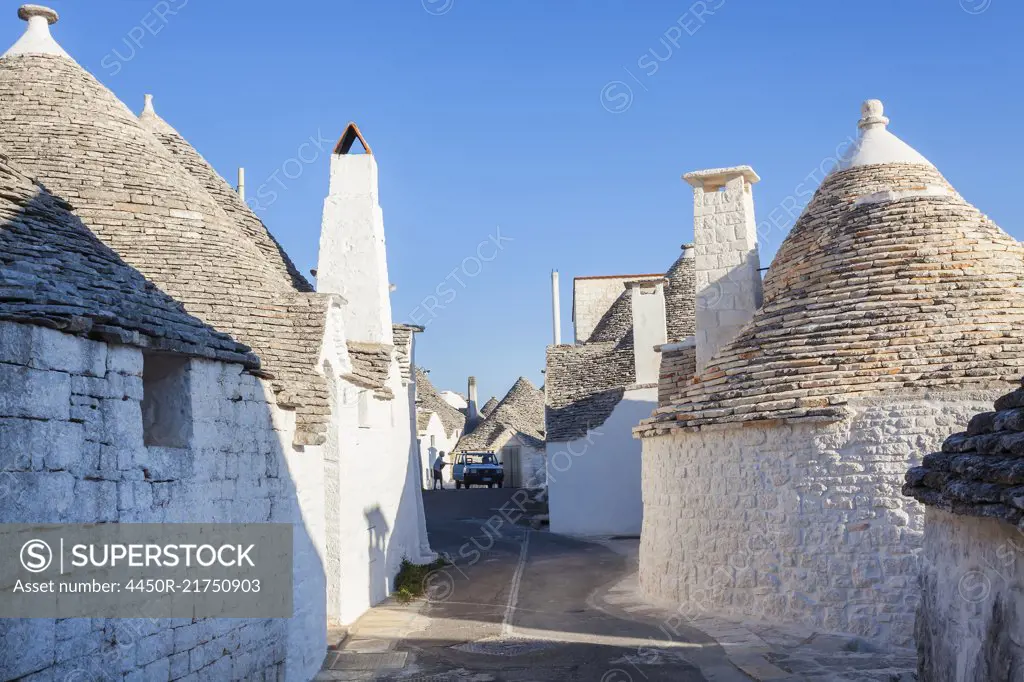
(520, 605)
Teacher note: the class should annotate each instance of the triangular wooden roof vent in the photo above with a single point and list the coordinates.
(349, 137)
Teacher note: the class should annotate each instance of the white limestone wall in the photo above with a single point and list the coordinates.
(442, 442)
(797, 523)
(72, 451)
(594, 482)
(727, 280)
(972, 603)
(353, 258)
(375, 506)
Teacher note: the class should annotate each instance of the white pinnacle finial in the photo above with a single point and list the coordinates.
(871, 114)
(148, 108)
(876, 145)
(37, 38)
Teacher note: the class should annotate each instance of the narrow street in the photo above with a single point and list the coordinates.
(521, 605)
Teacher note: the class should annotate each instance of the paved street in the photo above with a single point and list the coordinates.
(523, 605)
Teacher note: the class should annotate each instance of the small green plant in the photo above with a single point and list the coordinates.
(410, 583)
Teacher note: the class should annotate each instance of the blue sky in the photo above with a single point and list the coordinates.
(565, 125)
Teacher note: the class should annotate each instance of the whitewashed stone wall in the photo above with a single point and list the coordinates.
(375, 507)
(725, 241)
(594, 481)
(532, 464)
(72, 450)
(442, 442)
(970, 618)
(797, 523)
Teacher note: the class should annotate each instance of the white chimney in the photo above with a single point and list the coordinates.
(353, 259)
(241, 184)
(472, 406)
(556, 314)
(728, 280)
(648, 300)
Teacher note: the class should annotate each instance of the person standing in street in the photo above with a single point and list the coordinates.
(439, 465)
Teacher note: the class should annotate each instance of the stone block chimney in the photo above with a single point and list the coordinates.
(728, 280)
(472, 405)
(353, 259)
(648, 301)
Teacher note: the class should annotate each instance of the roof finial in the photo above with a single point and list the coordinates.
(148, 108)
(26, 12)
(871, 113)
(37, 38)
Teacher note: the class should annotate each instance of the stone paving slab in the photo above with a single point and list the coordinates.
(772, 652)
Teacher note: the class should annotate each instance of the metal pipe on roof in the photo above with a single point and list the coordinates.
(555, 309)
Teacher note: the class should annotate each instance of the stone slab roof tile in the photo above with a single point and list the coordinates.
(489, 406)
(371, 366)
(586, 381)
(520, 412)
(979, 472)
(55, 273)
(914, 290)
(61, 126)
(429, 400)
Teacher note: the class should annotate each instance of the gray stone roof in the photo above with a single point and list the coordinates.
(888, 281)
(371, 365)
(402, 334)
(489, 406)
(617, 322)
(979, 472)
(61, 126)
(55, 273)
(680, 298)
(225, 196)
(429, 400)
(586, 381)
(520, 412)
(584, 384)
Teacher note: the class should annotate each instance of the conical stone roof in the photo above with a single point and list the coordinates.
(521, 411)
(489, 406)
(55, 273)
(226, 197)
(888, 281)
(680, 298)
(429, 400)
(63, 127)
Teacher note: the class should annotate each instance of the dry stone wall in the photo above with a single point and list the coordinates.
(969, 620)
(796, 522)
(72, 451)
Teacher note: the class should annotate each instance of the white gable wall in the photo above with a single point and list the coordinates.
(433, 440)
(379, 516)
(594, 482)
